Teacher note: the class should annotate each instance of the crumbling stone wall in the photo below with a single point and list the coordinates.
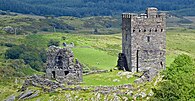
(144, 40)
(61, 65)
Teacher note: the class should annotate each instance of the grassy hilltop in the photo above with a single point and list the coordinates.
(96, 50)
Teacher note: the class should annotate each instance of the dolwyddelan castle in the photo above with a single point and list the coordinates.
(143, 41)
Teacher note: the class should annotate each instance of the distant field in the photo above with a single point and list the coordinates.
(100, 51)
(191, 18)
(95, 58)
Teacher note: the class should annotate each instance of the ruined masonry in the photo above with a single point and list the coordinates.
(61, 65)
(143, 41)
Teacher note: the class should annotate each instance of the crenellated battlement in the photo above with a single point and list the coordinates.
(150, 13)
(128, 15)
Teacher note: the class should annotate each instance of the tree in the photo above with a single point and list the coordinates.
(53, 42)
(178, 82)
(13, 53)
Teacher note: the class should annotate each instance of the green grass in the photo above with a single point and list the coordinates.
(95, 58)
(95, 51)
(180, 41)
(107, 79)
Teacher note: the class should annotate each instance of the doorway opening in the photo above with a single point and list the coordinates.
(53, 74)
(137, 56)
(66, 72)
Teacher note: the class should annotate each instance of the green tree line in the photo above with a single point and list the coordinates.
(81, 8)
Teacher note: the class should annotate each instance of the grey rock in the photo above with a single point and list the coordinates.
(26, 94)
(143, 94)
(148, 75)
(138, 81)
(11, 98)
(8, 29)
(33, 95)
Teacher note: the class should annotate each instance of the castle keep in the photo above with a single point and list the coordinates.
(143, 41)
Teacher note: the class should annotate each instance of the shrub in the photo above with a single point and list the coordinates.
(13, 53)
(53, 42)
(32, 56)
(178, 82)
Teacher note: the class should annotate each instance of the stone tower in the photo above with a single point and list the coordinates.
(143, 41)
(61, 65)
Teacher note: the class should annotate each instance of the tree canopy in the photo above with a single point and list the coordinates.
(81, 8)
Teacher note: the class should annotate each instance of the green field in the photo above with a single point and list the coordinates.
(107, 79)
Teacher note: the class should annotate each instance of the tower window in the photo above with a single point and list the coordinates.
(156, 30)
(148, 38)
(139, 30)
(144, 30)
(126, 37)
(150, 30)
(161, 30)
(134, 30)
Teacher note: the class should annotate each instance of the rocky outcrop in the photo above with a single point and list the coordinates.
(148, 75)
(10, 98)
(42, 82)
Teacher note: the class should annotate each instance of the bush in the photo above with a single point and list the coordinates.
(178, 82)
(182, 60)
(13, 53)
(9, 44)
(32, 56)
(53, 42)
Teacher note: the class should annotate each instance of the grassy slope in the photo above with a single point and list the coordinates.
(34, 24)
(180, 41)
(95, 51)
(107, 79)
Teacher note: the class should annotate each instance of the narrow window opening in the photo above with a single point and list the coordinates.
(53, 74)
(137, 56)
(144, 30)
(161, 30)
(161, 64)
(66, 72)
(148, 38)
(134, 30)
(59, 62)
(126, 37)
(156, 30)
(150, 30)
(139, 30)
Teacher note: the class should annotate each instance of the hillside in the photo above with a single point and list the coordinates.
(14, 23)
(82, 8)
(24, 41)
(101, 53)
(25, 24)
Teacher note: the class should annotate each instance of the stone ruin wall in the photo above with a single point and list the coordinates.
(144, 40)
(61, 65)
